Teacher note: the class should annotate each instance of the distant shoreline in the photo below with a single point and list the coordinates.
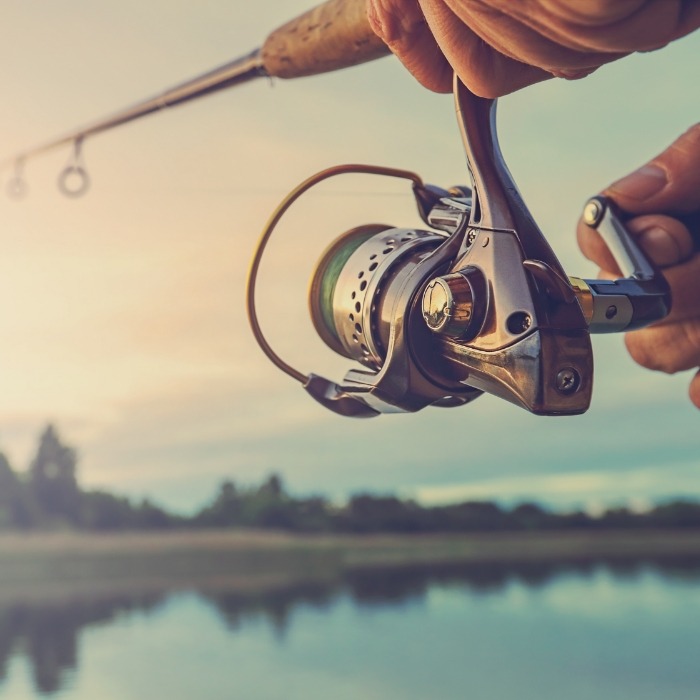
(43, 565)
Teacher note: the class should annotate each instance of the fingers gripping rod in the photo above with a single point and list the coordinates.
(329, 37)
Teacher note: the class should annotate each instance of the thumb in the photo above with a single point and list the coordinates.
(669, 183)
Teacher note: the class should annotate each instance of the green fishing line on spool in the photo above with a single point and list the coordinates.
(325, 279)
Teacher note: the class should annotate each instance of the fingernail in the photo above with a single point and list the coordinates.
(656, 234)
(642, 183)
(572, 74)
(660, 245)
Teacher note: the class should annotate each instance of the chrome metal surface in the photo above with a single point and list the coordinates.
(356, 303)
(324, 282)
(629, 257)
(448, 214)
(533, 324)
(642, 295)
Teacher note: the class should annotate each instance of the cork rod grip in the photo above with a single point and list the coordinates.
(333, 35)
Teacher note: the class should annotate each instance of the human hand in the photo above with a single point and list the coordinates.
(663, 189)
(499, 46)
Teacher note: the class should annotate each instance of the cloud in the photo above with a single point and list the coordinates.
(589, 488)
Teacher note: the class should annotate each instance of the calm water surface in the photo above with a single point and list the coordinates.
(483, 633)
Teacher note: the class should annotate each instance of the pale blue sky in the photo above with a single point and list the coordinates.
(123, 313)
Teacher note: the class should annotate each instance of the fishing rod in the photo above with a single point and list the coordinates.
(329, 37)
(477, 302)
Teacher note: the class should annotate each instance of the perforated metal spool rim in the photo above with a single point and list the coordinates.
(344, 243)
(365, 274)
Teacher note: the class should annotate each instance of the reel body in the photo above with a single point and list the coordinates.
(428, 318)
(477, 302)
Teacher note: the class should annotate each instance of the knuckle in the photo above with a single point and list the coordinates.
(642, 352)
(395, 22)
(675, 350)
(384, 20)
(689, 142)
(481, 76)
(480, 84)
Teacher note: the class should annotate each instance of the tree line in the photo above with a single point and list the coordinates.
(48, 497)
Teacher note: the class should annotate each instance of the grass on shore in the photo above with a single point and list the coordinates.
(41, 563)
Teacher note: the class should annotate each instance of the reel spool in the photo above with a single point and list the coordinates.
(353, 283)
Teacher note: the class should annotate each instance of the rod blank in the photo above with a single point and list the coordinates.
(228, 75)
(329, 37)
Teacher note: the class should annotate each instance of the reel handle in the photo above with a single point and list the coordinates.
(640, 298)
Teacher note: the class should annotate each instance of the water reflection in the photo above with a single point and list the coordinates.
(47, 634)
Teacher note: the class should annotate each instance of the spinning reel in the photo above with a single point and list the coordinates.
(478, 303)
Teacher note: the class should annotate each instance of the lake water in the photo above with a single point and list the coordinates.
(484, 633)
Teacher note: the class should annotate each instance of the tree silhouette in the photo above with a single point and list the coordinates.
(52, 478)
(17, 509)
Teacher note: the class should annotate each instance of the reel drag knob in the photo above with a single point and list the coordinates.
(454, 305)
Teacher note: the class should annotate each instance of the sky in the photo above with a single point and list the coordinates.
(122, 313)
